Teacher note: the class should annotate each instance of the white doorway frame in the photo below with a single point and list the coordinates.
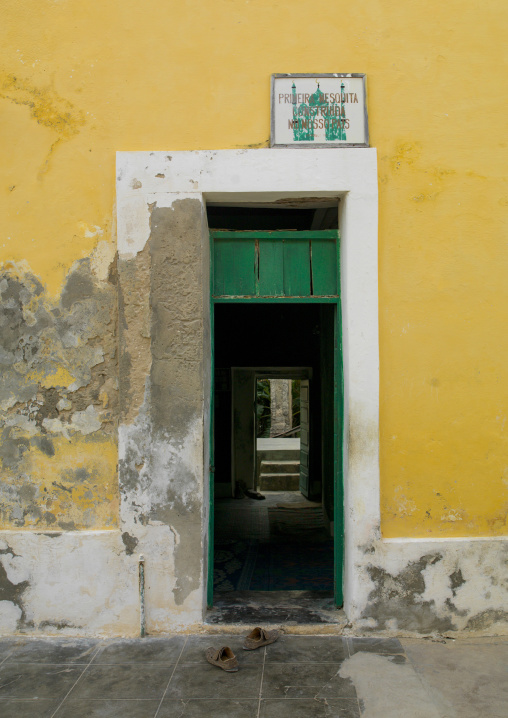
(276, 176)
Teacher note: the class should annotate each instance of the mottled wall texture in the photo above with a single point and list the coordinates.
(58, 401)
(87, 340)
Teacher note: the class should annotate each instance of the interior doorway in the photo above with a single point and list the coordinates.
(281, 451)
(274, 508)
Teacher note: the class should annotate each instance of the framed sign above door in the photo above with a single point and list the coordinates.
(327, 110)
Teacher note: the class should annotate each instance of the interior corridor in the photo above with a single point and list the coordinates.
(276, 544)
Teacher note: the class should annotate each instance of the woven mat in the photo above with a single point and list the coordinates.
(296, 522)
(294, 505)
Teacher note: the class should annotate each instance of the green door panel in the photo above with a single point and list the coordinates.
(275, 264)
(235, 267)
(296, 267)
(271, 268)
(324, 267)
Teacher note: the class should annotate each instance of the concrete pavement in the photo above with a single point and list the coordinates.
(297, 677)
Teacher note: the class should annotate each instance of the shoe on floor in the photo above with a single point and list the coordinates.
(259, 637)
(223, 658)
(252, 494)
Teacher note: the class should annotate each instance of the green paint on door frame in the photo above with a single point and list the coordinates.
(338, 389)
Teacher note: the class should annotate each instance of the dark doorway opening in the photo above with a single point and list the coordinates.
(310, 213)
(276, 552)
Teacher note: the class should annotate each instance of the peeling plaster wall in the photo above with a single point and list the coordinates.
(70, 583)
(162, 428)
(58, 401)
(412, 586)
(86, 583)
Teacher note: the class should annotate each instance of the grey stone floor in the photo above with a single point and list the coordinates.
(297, 677)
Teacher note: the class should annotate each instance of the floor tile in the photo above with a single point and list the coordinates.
(464, 679)
(123, 681)
(384, 646)
(205, 681)
(27, 709)
(388, 689)
(194, 651)
(6, 649)
(225, 708)
(307, 649)
(53, 651)
(331, 708)
(147, 650)
(7, 645)
(108, 709)
(31, 680)
(313, 680)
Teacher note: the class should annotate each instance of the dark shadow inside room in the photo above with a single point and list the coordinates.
(273, 507)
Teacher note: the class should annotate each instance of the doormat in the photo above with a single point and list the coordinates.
(301, 521)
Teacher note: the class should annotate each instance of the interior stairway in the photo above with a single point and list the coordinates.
(280, 474)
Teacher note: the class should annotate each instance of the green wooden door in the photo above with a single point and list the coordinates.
(275, 267)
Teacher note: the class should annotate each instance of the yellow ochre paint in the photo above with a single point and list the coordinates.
(76, 488)
(80, 81)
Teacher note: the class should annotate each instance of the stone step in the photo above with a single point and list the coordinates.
(279, 482)
(278, 454)
(280, 467)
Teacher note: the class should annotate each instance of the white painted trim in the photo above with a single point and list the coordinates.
(269, 175)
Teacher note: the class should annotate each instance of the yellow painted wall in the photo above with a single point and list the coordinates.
(82, 80)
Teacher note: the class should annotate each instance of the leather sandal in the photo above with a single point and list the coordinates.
(259, 637)
(223, 658)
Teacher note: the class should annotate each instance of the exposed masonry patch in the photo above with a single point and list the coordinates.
(161, 388)
(130, 543)
(487, 619)
(459, 587)
(59, 625)
(400, 596)
(10, 590)
(58, 382)
(456, 580)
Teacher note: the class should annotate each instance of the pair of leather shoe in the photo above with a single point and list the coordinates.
(225, 658)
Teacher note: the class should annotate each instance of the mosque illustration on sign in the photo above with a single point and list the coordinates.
(306, 117)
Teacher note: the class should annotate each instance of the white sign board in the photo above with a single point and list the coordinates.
(319, 110)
